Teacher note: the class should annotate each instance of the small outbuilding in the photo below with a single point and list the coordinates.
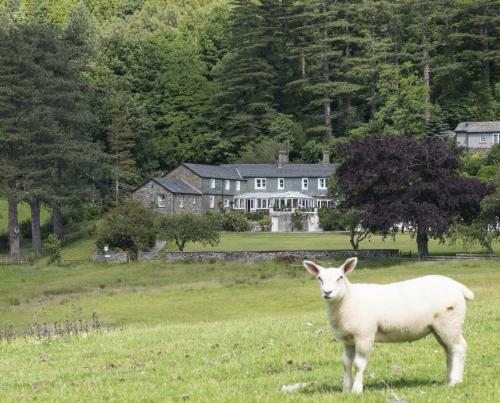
(478, 135)
(169, 196)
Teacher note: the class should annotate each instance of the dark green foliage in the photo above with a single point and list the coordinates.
(129, 227)
(185, 228)
(297, 220)
(53, 248)
(234, 221)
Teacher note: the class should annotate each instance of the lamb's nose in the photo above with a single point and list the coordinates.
(326, 293)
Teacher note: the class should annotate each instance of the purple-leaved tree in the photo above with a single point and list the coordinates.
(401, 183)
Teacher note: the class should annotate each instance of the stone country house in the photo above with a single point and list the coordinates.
(478, 135)
(280, 187)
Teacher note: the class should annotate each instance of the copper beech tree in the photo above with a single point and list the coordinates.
(405, 184)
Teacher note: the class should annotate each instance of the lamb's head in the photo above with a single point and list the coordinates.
(332, 281)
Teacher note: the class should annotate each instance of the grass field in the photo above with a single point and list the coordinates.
(326, 240)
(225, 332)
(23, 211)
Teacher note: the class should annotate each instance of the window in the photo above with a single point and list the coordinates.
(496, 138)
(181, 202)
(212, 183)
(161, 200)
(194, 200)
(227, 185)
(281, 183)
(260, 183)
(238, 185)
(226, 203)
(321, 183)
(482, 139)
(305, 183)
(212, 201)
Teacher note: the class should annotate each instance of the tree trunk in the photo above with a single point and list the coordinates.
(327, 102)
(422, 242)
(57, 221)
(354, 244)
(36, 233)
(427, 76)
(14, 241)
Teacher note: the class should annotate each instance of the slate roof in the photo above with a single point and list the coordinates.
(213, 171)
(287, 171)
(478, 127)
(177, 186)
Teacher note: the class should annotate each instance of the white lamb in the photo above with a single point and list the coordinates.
(362, 314)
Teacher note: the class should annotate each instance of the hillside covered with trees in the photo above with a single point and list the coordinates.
(97, 95)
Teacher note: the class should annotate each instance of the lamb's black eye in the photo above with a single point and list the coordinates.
(340, 278)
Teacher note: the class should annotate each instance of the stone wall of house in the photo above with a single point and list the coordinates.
(182, 173)
(289, 255)
(148, 195)
(174, 203)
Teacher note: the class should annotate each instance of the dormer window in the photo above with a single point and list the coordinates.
(260, 183)
(212, 183)
(305, 183)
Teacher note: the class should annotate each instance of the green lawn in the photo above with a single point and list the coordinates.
(23, 211)
(224, 332)
(326, 240)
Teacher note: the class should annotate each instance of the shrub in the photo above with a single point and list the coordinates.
(255, 216)
(190, 228)
(129, 227)
(297, 220)
(265, 223)
(234, 221)
(25, 228)
(53, 247)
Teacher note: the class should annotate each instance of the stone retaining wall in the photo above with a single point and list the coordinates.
(288, 255)
(111, 257)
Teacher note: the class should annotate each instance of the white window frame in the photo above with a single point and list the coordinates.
(262, 183)
(482, 138)
(181, 204)
(281, 183)
(212, 183)
(227, 184)
(212, 201)
(305, 183)
(194, 200)
(238, 185)
(322, 186)
(226, 203)
(160, 200)
(496, 138)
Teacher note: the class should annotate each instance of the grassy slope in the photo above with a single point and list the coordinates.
(227, 332)
(23, 211)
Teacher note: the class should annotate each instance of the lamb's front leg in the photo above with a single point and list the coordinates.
(363, 350)
(347, 358)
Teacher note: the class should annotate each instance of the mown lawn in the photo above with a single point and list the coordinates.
(327, 240)
(224, 332)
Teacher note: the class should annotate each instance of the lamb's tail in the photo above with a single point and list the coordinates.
(468, 294)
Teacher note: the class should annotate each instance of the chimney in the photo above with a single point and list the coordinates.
(282, 158)
(326, 157)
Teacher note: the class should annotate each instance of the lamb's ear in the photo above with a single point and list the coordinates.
(349, 265)
(312, 267)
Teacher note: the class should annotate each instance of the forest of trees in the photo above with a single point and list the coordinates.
(97, 95)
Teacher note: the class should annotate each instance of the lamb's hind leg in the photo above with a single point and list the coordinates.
(347, 359)
(449, 334)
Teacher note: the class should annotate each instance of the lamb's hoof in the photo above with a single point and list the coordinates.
(453, 382)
